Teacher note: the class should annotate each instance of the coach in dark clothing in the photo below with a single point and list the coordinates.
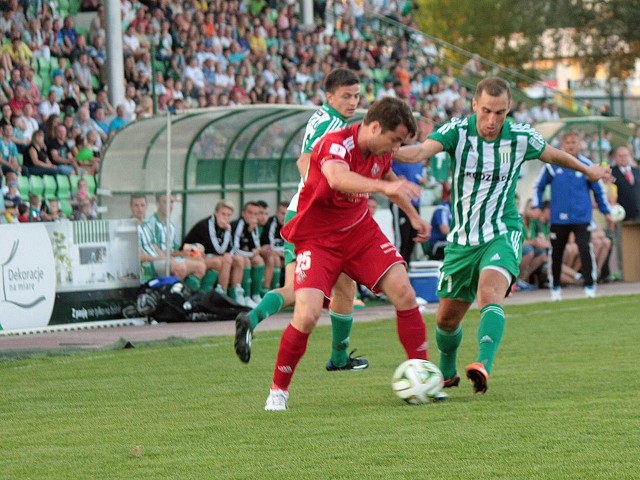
(628, 182)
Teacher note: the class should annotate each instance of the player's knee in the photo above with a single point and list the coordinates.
(179, 270)
(305, 319)
(403, 296)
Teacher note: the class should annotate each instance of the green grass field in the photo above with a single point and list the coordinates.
(563, 402)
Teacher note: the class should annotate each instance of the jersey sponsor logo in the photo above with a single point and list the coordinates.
(486, 177)
(375, 170)
(537, 142)
(338, 150)
(505, 154)
(352, 197)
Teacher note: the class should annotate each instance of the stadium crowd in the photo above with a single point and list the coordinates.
(57, 119)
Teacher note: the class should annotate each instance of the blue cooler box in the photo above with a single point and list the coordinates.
(424, 279)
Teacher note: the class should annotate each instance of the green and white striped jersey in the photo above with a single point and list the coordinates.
(153, 232)
(484, 176)
(324, 120)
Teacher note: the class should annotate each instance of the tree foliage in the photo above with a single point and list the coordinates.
(606, 32)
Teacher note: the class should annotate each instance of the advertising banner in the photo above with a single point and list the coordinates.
(67, 272)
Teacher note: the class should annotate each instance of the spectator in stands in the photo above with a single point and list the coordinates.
(387, 89)
(182, 263)
(473, 67)
(52, 212)
(37, 158)
(9, 152)
(18, 51)
(19, 99)
(68, 36)
(521, 113)
(88, 159)
(119, 121)
(35, 206)
(223, 268)
(541, 113)
(49, 106)
(31, 89)
(60, 149)
(19, 137)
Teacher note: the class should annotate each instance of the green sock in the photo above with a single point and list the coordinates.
(246, 281)
(490, 333)
(257, 279)
(192, 282)
(275, 280)
(448, 342)
(231, 291)
(340, 330)
(209, 280)
(270, 304)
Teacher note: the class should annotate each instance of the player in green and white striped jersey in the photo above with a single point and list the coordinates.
(153, 244)
(485, 241)
(342, 87)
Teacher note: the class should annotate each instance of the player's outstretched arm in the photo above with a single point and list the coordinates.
(398, 195)
(417, 153)
(563, 159)
(303, 164)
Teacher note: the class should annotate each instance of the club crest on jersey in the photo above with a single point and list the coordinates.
(505, 154)
(375, 170)
(337, 150)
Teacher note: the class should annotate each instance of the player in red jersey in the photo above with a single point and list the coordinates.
(334, 232)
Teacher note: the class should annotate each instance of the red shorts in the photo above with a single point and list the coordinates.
(364, 253)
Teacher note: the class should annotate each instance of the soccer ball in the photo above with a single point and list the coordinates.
(417, 381)
(617, 213)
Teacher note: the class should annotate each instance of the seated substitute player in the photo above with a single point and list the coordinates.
(273, 243)
(153, 242)
(269, 256)
(334, 232)
(246, 244)
(214, 234)
(342, 87)
(485, 241)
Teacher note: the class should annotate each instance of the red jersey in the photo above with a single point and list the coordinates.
(323, 211)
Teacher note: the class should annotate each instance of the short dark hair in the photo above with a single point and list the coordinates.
(494, 86)
(262, 204)
(391, 112)
(250, 204)
(340, 77)
(136, 196)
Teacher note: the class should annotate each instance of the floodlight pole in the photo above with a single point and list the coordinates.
(169, 245)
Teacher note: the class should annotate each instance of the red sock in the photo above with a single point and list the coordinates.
(292, 347)
(413, 333)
